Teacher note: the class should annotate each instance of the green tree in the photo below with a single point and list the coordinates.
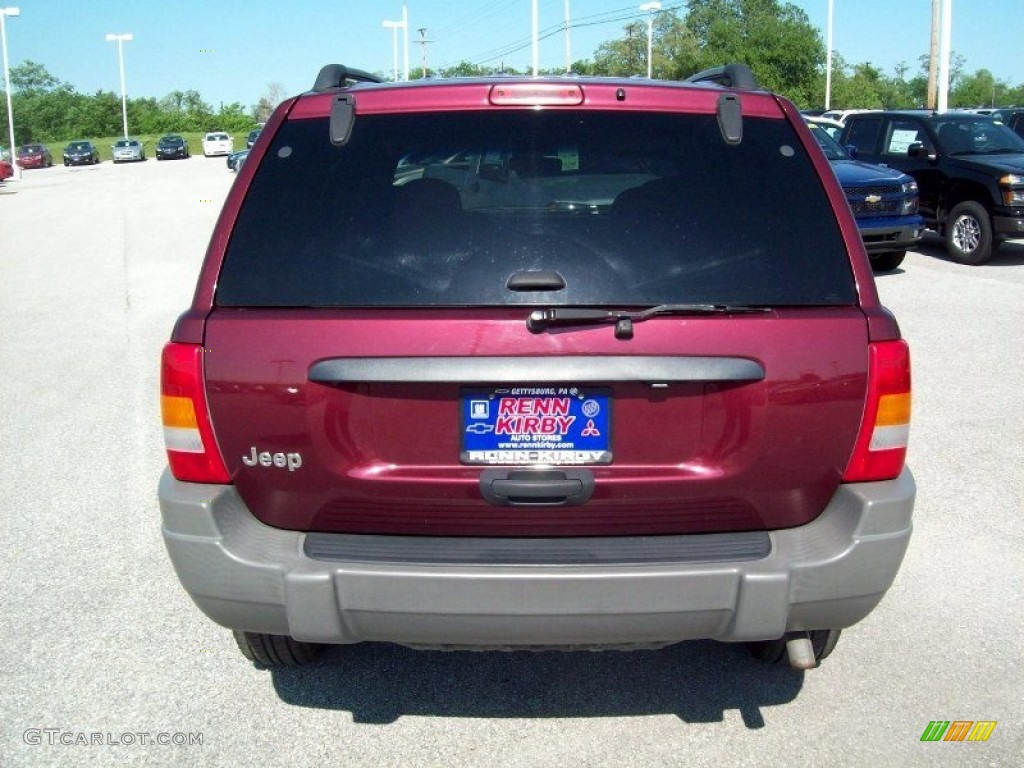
(978, 90)
(32, 76)
(775, 39)
(625, 56)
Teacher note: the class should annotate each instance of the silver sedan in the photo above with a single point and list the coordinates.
(124, 150)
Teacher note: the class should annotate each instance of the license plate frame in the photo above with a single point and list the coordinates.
(535, 425)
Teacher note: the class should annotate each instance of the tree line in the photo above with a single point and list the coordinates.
(784, 50)
(776, 39)
(49, 109)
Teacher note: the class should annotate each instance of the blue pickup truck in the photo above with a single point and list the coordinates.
(883, 200)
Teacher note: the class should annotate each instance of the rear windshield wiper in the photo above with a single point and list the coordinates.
(541, 319)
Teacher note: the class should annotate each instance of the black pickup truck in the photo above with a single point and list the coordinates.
(969, 169)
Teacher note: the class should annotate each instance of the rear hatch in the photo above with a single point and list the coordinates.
(553, 322)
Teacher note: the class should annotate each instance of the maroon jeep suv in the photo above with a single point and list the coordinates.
(536, 362)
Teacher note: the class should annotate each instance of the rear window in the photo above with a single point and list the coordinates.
(446, 209)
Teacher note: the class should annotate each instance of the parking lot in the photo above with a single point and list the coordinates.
(107, 658)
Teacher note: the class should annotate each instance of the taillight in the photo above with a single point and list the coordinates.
(188, 436)
(882, 443)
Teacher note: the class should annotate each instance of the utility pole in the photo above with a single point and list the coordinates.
(423, 49)
(933, 57)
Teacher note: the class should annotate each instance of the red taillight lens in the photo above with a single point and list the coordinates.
(191, 449)
(882, 443)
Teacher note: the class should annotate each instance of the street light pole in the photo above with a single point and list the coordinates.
(650, 9)
(828, 61)
(4, 13)
(536, 41)
(393, 26)
(405, 42)
(944, 54)
(120, 60)
(568, 55)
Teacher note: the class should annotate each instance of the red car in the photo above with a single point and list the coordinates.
(34, 156)
(6, 171)
(606, 368)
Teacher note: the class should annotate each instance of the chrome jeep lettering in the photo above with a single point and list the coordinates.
(291, 461)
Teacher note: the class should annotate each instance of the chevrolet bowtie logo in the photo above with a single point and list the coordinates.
(873, 199)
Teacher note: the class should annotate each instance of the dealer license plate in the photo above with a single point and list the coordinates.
(536, 425)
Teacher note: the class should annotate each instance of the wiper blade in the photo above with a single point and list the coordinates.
(541, 319)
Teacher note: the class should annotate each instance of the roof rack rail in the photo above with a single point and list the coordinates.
(729, 75)
(338, 76)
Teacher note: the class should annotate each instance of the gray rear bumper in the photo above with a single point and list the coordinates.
(245, 575)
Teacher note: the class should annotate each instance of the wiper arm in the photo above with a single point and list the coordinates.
(541, 319)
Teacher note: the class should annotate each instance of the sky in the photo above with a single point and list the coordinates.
(231, 51)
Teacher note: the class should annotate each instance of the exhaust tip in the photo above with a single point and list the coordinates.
(800, 651)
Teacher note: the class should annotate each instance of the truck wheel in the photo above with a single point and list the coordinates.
(969, 233)
(275, 650)
(774, 651)
(887, 262)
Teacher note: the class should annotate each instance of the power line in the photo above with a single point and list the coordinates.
(596, 19)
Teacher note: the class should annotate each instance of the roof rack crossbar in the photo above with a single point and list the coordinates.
(729, 75)
(338, 76)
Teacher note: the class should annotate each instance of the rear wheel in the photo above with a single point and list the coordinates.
(969, 233)
(887, 262)
(823, 641)
(275, 650)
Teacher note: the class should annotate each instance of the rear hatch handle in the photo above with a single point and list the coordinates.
(508, 486)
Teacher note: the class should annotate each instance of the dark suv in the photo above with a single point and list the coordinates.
(969, 169)
(513, 362)
(1012, 118)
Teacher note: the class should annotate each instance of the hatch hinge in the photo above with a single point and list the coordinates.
(343, 115)
(730, 118)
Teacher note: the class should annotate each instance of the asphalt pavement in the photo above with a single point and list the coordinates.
(109, 663)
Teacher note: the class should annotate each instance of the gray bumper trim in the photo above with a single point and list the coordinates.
(631, 550)
(1008, 226)
(245, 575)
(883, 239)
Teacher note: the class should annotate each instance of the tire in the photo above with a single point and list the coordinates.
(275, 651)
(823, 641)
(969, 233)
(887, 262)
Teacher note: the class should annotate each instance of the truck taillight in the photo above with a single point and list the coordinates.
(188, 435)
(882, 443)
